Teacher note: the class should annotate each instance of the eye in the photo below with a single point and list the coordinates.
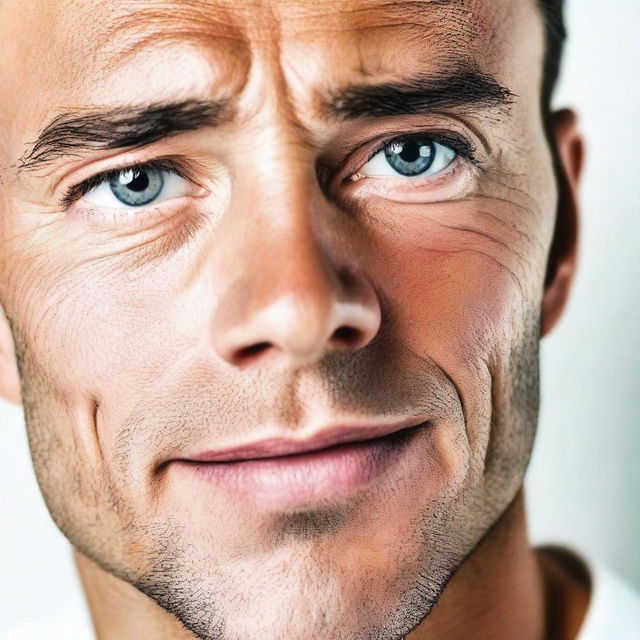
(136, 187)
(409, 156)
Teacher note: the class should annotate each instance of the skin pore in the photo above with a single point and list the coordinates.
(290, 281)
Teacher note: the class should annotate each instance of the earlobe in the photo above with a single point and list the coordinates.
(9, 375)
(561, 265)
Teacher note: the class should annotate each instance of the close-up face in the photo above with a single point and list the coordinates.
(225, 222)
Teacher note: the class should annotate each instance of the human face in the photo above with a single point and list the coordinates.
(298, 265)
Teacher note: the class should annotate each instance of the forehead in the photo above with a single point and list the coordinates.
(92, 52)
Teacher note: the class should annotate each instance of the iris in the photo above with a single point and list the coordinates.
(136, 187)
(410, 156)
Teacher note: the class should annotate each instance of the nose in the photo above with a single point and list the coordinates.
(295, 295)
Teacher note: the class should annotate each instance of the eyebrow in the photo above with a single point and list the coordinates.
(85, 130)
(118, 127)
(465, 88)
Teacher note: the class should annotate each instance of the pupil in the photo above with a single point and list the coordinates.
(135, 180)
(410, 151)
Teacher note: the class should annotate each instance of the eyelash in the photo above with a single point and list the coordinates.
(460, 144)
(75, 192)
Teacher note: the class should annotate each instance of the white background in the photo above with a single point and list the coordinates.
(584, 481)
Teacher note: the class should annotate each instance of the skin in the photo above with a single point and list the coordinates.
(125, 338)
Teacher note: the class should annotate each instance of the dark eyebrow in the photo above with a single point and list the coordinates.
(118, 127)
(461, 89)
(72, 133)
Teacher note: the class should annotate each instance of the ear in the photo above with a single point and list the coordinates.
(561, 265)
(9, 376)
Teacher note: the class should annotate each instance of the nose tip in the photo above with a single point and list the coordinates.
(299, 327)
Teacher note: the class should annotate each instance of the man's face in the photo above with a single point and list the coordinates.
(350, 226)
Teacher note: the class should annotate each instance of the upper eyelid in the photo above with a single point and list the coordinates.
(459, 143)
(76, 191)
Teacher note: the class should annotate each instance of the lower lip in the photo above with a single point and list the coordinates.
(289, 481)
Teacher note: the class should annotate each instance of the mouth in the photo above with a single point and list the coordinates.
(280, 473)
(324, 439)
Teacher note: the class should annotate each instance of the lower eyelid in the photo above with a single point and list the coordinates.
(114, 218)
(454, 181)
(410, 180)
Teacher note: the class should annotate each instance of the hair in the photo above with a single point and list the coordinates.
(555, 36)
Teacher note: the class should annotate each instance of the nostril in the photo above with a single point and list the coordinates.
(252, 350)
(347, 335)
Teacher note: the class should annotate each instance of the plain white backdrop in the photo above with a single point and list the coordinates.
(583, 485)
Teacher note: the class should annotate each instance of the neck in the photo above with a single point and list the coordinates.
(504, 590)
(119, 611)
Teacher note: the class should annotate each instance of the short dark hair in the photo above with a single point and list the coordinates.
(555, 35)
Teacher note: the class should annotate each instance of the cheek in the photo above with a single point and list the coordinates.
(456, 307)
(459, 284)
(458, 279)
(459, 311)
(93, 329)
(98, 342)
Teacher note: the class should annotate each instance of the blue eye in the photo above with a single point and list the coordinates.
(137, 187)
(409, 156)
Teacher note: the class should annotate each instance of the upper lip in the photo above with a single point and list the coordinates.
(281, 446)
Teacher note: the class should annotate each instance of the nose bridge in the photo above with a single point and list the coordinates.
(287, 221)
(283, 264)
(293, 293)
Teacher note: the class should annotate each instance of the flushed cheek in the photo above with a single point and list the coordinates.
(460, 274)
(459, 302)
(458, 313)
(455, 304)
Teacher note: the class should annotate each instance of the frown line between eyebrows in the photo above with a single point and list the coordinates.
(73, 132)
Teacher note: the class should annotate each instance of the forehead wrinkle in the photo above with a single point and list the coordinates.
(363, 16)
(204, 24)
(449, 24)
(434, 30)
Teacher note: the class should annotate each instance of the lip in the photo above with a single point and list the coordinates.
(334, 464)
(280, 446)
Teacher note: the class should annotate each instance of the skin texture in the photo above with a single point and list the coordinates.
(131, 339)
